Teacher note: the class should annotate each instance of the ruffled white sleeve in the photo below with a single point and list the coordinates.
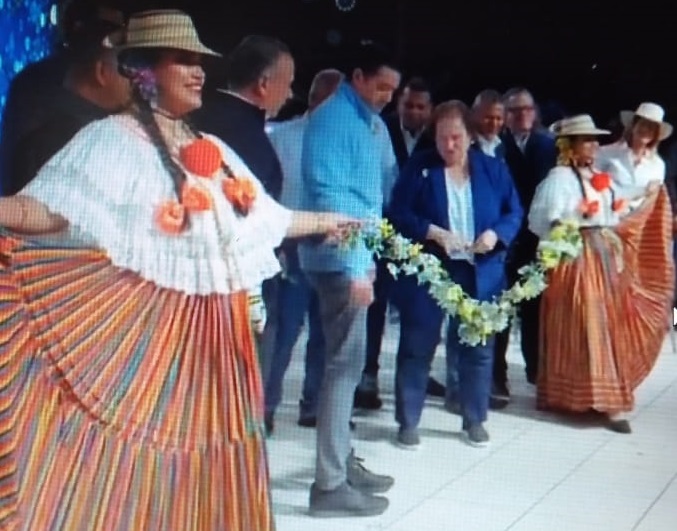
(108, 183)
(553, 201)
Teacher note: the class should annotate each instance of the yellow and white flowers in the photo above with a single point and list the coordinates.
(479, 320)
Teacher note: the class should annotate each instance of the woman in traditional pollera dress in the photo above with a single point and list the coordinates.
(605, 314)
(130, 396)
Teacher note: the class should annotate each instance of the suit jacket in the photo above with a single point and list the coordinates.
(70, 114)
(420, 199)
(500, 150)
(425, 141)
(528, 169)
(241, 125)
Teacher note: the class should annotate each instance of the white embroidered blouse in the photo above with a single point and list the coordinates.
(617, 160)
(108, 182)
(559, 197)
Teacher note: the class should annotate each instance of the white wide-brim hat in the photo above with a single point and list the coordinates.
(581, 124)
(164, 28)
(651, 112)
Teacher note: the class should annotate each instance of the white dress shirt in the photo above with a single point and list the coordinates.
(287, 140)
(410, 139)
(489, 146)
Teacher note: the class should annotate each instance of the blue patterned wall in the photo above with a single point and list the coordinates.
(27, 34)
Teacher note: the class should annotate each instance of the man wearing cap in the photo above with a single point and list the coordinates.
(35, 92)
(92, 89)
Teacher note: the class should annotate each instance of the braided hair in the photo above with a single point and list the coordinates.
(137, 64)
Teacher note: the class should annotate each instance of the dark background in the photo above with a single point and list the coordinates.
(596, 56)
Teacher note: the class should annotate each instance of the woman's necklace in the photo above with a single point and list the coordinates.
(175, 131)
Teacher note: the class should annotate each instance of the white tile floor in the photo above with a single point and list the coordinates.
(541, 472)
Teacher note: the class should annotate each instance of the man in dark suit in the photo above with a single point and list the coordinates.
(530, 155)
(37, 93)
(260, 72)
(92, 89)
(408, 129)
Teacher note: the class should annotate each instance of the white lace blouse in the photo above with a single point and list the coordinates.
(559, 197)
(108, 182)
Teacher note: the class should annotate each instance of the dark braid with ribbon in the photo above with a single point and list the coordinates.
(136, 66)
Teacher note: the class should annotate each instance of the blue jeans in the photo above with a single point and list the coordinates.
(295, 299)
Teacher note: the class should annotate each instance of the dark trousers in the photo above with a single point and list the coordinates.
(529, 313)
(376, 317)
(295, 300)
(421, 320)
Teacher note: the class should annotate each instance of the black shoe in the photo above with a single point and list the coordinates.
(435, 388)
(307, 422)
(620, 426)
(367, 400)
(311, 422)
(269, 424)
(500, 396)
(365, 481)
(345, 501)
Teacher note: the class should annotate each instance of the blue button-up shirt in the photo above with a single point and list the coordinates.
(349, 167)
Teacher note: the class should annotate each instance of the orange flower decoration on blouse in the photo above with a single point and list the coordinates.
(588, 208)
(240, 192)
(619, 205)
(600, 181)
(196, 199)
(171, 217)
(201, 157)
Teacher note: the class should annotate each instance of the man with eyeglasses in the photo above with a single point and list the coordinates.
(530, 154)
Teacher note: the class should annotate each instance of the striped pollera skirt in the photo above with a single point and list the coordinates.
(124, 406)
(605, 316)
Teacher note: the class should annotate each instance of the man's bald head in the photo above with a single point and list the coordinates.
(324, 85)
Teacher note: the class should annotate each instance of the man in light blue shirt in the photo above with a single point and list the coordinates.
(349, 167)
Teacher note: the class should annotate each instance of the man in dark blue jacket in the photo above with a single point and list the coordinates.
(530, 155)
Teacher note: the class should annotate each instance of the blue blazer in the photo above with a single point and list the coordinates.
(420, 199)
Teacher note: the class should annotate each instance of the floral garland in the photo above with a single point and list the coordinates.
(478, 320)
(203, 158)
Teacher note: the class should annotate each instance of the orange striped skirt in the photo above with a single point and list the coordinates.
(124, 406)
(605, 315)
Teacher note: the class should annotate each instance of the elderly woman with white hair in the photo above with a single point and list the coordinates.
(603, 315)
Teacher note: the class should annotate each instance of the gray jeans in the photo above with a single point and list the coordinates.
(344, 325)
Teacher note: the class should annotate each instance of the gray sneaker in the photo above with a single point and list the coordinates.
(408, 439)
(477, 435)
(345, 501)
(365, 481)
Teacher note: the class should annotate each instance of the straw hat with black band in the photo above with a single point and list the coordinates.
(164, 28)
(579, 125)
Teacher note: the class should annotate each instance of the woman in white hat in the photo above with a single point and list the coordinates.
(130, 395)
(604, 315)
(634, 162)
